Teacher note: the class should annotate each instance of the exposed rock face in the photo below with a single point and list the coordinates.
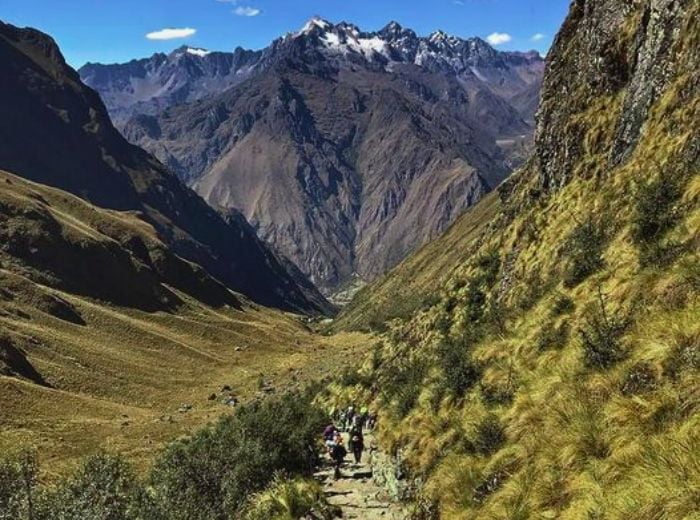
(348, 150)
(54, 130)
(598, 54)
(150, 85)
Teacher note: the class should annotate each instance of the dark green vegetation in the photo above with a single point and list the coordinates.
(208, 476)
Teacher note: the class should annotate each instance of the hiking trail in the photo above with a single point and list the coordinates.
(356, 493)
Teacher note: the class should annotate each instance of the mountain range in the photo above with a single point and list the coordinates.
(56, 131)
(334, 143)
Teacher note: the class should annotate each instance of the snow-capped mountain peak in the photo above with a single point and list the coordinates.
(313, 24)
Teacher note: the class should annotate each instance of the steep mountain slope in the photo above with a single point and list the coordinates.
(105, 333)
(553, 372)
(340, 141)
(56, 131)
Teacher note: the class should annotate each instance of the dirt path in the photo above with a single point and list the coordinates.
(355, 493)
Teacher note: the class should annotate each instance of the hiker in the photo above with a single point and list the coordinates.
(365, 416)
(329, 434)
(371, 420)
(356, 444)
(337, 453)
(357, 422)
(349, 416)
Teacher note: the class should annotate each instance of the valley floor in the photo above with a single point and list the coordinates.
(129, 382)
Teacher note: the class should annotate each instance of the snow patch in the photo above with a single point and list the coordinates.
(331, 39)
(198, 52)
(314, 22)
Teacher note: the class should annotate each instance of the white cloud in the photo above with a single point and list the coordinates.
(171, 33)
(499, 38)
(537, 37)
(245, 10)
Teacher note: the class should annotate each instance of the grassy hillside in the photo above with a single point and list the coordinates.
(554, 372)
(104, 334)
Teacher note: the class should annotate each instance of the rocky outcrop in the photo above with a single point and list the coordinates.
(624, 52)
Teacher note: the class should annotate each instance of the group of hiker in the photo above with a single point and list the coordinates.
(353, 423)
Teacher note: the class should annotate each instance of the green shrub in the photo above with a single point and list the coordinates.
(600, 335)
(584, 249)
(210, 475)
(458, 369)
(353, 377)
(489, 265)
(103, 488)
(497, 394)
(552, 336)
(18, 478)
(656, 211)
(562, 305)
(402, 384)
(472, 307)
(490, 435)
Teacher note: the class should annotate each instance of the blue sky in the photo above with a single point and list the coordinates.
(110, 31)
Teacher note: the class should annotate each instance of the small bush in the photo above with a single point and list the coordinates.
(459, 371)
(552, 337)
(402, 384)
(533, 287)
(474, 303)
(656, 211)
(103, 488)
(18, 478)
(490, 435)
(497, 394)
(290, 500)
(489, 265)
(353, 377)
(584, 248)
(600, 336)
(562, 305)
(639, 379)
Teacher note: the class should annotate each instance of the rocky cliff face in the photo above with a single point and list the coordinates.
(56, 131)
(348, 150)
(148, 86)
(624, 54)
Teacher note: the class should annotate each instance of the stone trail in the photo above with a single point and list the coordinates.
(356, 493)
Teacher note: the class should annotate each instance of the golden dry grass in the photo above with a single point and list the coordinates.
(117, 381)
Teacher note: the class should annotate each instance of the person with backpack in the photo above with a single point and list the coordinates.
(356, 444)
(329, 436)
(338, 453)
(349, 418)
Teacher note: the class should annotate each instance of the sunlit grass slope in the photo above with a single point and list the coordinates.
(556, 372)
(104, 334)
